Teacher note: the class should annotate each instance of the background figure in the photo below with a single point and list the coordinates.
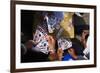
(80, 40)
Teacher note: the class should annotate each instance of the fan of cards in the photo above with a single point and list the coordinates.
(64, 43)
(40, 41)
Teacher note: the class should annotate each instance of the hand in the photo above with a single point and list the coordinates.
(51, 45)
(51, 42)
(60, 54)
(29, 44)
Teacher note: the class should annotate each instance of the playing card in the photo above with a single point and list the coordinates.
(64, 43)
(42, 47)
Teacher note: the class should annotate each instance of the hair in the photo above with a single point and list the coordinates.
(79, 28)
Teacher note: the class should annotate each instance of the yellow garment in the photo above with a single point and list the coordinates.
(66, 24)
